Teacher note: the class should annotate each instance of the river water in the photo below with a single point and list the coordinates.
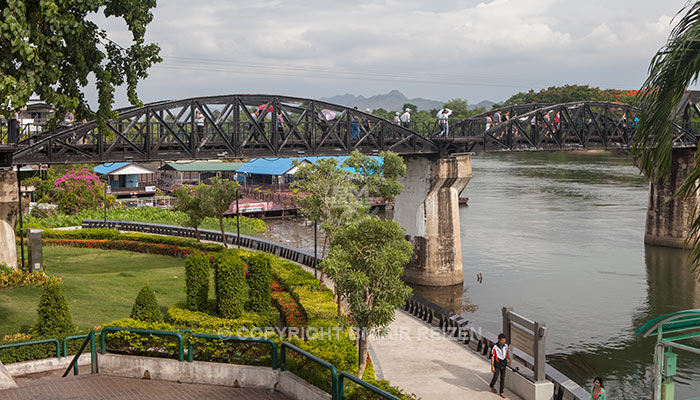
(559, 237)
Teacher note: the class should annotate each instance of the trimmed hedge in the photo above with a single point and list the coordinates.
(10, 277)
(230, 284)
(146, 307)
(81, 234)
(53, 314)
(259, 282)
(181, 316)
(197, 281)
(138, 247)
(142, 345)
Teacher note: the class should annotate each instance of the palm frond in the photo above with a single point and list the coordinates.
(674, 67)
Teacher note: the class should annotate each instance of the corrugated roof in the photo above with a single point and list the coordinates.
(279, 166)
(106, 168)
(203, 166)
(268, 166)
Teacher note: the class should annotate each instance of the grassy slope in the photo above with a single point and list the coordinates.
(100, 286)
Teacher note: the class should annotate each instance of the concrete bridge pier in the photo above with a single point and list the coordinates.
(669, 220)
(428, 209)
(9, 203)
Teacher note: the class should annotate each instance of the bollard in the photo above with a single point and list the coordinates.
(36, 251)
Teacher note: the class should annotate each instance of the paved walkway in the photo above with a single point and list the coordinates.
(419, 359)
(90, 387)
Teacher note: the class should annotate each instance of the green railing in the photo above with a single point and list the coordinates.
(58, 345)
(323, 363)
(273, 345)
(89, 338)
(178, 335)
(337, 390)
(341, 386)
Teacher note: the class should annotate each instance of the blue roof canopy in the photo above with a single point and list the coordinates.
(279, 166)
(106, 168)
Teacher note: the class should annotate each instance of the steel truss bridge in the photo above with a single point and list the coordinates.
(292, 127)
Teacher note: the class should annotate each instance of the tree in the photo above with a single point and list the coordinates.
(326, 194)
(80, 189)
(51, 49)
(413, 107)
(459, 107)
(229, 280)
(146, 306)
(189, 201)
(374, 178)
(53, 314)
(217, 198)
(366, 263)
(674, 67)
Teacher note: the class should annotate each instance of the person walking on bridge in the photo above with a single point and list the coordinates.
(397, 118)
(442, 117)
(500, 358)
(406, 118)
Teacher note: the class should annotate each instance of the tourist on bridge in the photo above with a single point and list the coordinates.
(366, 123)
(355, 125)
(598, 391)
(406, 118)
(442, 117)
(68, 120)
(496, 118)
(489, 122)
(500, 358)
(199, 121)
(397, 118)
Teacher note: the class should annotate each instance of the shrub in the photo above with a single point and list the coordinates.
(230, 284)
(88, 233)
(139, 344)
(259, 282)
(54, 315)
(25, 353)
(197, 281)
(77, 190)
(181, 316)
(15, 278)
(146, 307)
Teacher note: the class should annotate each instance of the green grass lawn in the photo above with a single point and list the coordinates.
(100, 286)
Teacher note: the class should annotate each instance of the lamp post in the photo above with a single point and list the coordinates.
(104, 202)
(238, 219)
(315, 247)
(21, 225)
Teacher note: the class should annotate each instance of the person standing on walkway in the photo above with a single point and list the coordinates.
(598, 392)
(442, 117)
(397, 118)
(500, 358)
(406, 118)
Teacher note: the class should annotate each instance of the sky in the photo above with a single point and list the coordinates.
(437, 50)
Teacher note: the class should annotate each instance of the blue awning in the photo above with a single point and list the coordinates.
(107, 168)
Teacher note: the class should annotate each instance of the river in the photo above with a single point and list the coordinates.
(559, 237)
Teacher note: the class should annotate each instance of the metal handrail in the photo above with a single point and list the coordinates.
(341, 386)
(178, 335)
(323, 363)
(33, 342)
(273, 345)
(89, 338)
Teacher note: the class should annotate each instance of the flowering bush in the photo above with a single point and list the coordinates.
(16, 278)
(77, 190)
(138, 247)
(290, 309)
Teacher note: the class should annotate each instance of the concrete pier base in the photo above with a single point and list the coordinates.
(669, 220)
(428, 209)
(9, 203)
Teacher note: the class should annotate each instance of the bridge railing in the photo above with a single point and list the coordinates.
(480, 341)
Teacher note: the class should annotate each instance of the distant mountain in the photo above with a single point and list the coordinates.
(392, 101)
(483, 103)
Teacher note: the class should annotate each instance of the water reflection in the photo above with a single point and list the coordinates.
(452, 298)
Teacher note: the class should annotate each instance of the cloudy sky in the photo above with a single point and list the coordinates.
(438, 50)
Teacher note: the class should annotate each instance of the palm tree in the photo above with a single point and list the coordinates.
(674, 67)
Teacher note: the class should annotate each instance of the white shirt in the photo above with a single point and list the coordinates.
(406, 117)
(199, 119)
(397, 119)
(442, 115)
